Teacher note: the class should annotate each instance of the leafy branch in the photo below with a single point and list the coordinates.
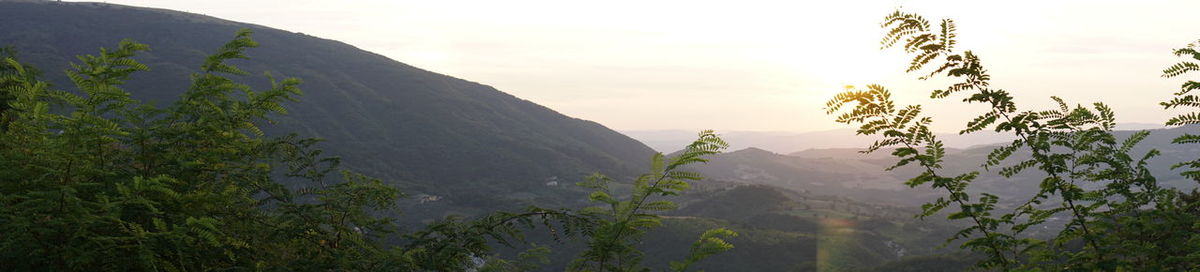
(624, 221)
(1069, 145)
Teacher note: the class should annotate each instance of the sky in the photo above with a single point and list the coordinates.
(748, 65)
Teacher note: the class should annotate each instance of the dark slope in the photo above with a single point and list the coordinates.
(429, 132)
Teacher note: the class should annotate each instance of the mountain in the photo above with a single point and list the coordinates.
(430, 133)
(858, 177)
(847, 172)
(785, 142)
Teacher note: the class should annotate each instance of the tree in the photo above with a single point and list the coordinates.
(1127, 223)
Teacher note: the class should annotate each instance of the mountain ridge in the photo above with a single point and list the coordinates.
(784, 142)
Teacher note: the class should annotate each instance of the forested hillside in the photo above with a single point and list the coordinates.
(466, 144)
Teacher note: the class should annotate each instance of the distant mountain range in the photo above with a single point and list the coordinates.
(847, 172)
(463, 144)
(788, 142)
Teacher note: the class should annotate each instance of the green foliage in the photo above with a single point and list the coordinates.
(1088, 173)
(710, 243)
(1185, 98)
(621, 223)
(12, 73)
(106, 182)
(93, 179)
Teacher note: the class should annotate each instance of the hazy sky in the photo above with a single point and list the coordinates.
(746, 65)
